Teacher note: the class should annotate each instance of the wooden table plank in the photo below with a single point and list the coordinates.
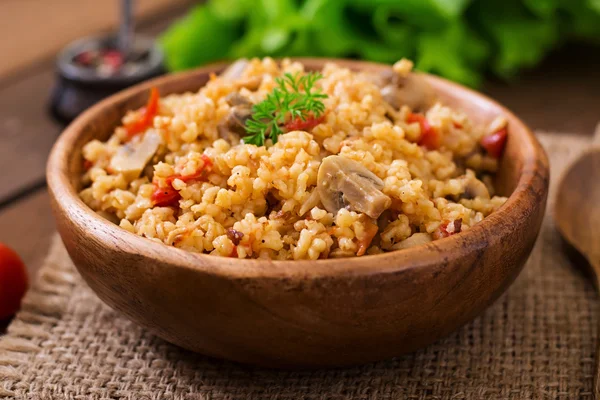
(58, 22)
(27, 227)
(27, 132)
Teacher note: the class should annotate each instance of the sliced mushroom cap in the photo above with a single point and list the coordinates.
(131, 158)
(415, 240)
(234, 125)
(411, 90)
(343, 182)
(235, 70)
(236, 121)
(234, 73)
(237, 99)
(311, 202)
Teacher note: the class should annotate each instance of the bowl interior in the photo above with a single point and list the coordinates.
(518, 171)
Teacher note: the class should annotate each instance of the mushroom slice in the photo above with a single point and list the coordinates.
(411, 90)
(234, 125)
(235, 70)
(236, 121)
(234, 73)
(415, 240)
(343, 182)
(236, 99)
(311, 202)
(131, 158)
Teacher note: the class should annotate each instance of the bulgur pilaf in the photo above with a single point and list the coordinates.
(383, 168)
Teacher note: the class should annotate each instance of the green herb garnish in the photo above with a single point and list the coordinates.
(293, 98)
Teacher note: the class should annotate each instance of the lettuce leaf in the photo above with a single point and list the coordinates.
(199, 38)
(459, 39)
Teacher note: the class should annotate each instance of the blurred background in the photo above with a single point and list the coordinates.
(540, 58)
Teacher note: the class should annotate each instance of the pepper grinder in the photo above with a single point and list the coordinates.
(95, 67)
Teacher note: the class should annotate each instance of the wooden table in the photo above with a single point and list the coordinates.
(561, 96)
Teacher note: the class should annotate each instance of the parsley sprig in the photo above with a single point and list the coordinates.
(292, 98)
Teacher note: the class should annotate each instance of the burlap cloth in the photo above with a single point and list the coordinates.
(536, 342)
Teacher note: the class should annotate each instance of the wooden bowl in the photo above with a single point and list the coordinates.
(332, 312)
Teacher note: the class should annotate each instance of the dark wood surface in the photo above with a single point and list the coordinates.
(563, 95)
(33, 29)
(27, 131)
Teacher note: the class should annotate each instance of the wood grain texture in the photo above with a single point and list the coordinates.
(301, 313)
(577, 217)
(27, 132)
(27, 227)
(32, 30)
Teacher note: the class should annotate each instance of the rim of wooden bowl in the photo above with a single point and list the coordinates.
(491, 229)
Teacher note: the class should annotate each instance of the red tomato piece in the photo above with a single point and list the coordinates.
(365, 241)
(147, 115)
(429, 137)
(165, 197)
(304, 125)
(495, 143)
(200, 174)
(207, 161)
(443, 230)
(169, 196)
(13, 281)
(87, 164)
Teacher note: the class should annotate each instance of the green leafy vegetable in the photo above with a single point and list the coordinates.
(293, 98)
(458, 39)
(199, 38)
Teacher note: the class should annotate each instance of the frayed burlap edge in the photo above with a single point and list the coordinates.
(41, 310)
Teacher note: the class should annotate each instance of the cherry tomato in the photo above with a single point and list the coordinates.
(495, 143)
(429, 137)
(13, 282)
(147, 114)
